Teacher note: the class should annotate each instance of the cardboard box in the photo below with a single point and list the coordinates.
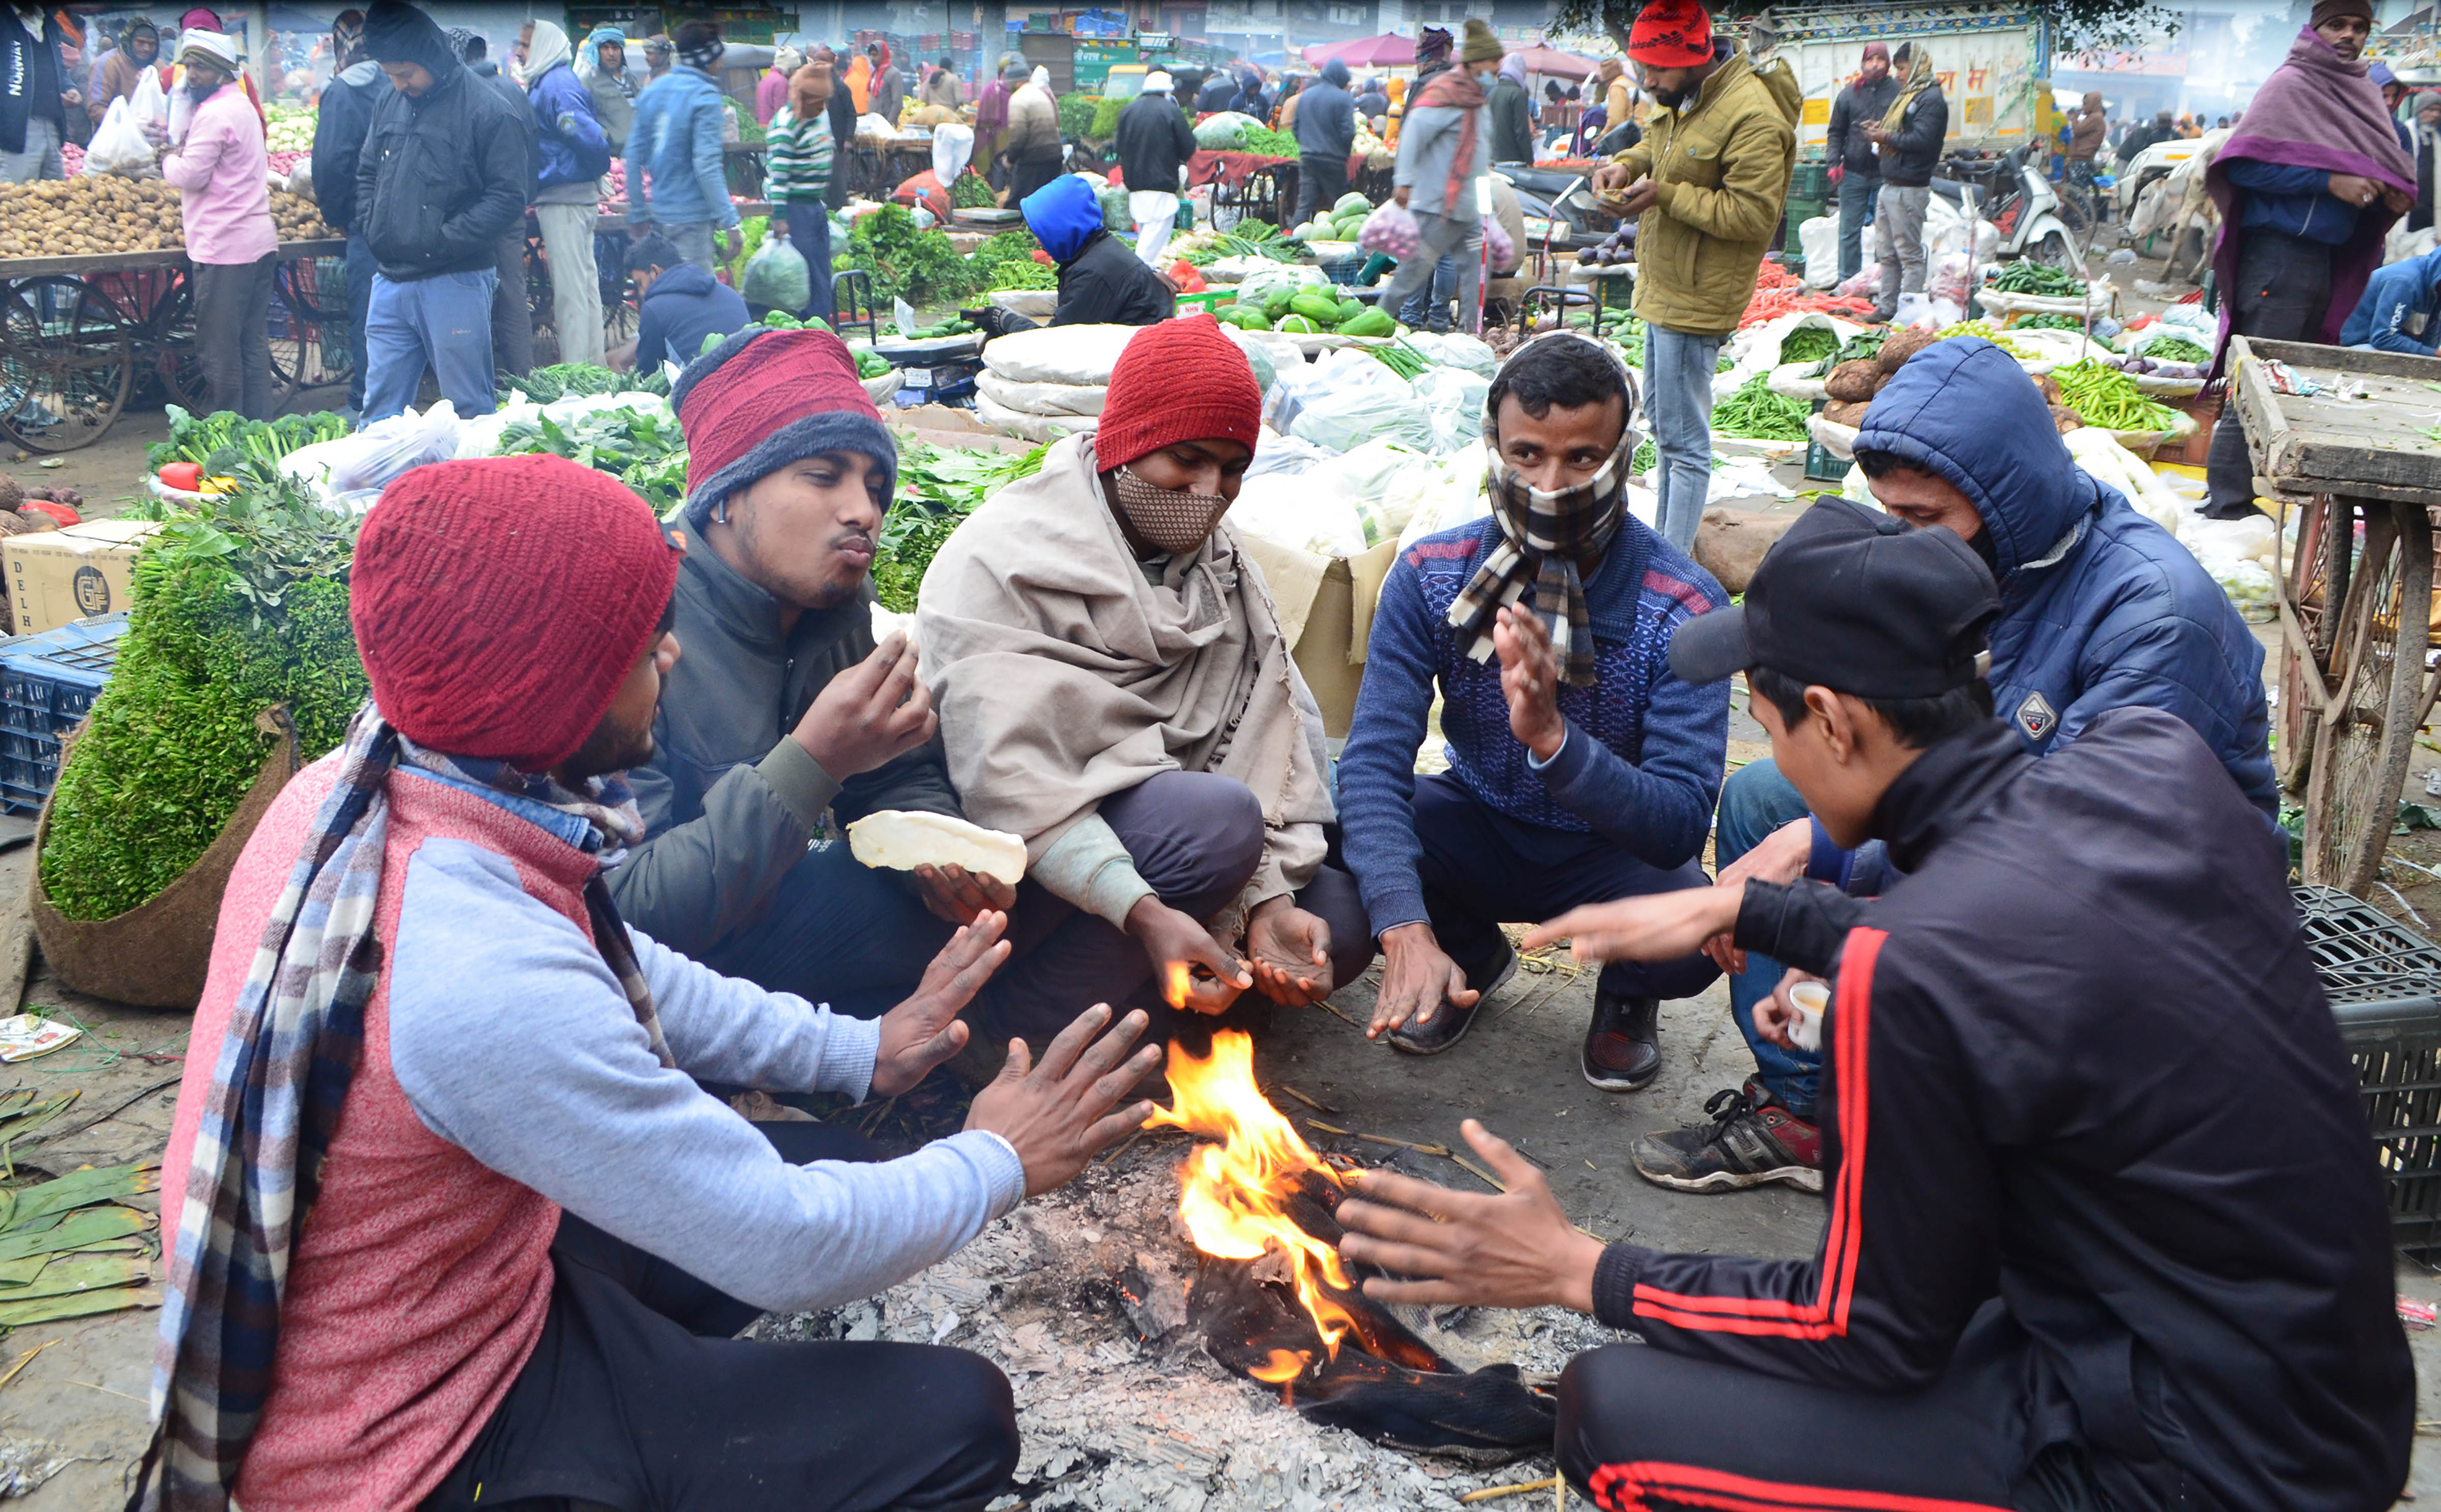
(59, 576)
(1325, 604)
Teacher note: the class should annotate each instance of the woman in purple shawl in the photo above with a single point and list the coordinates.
(991, 120)
(2306, 190)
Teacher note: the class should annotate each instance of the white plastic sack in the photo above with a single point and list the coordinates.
(1456, 349)
(952, 146)
(1820, 237)
(148, 104)
(1454, 398)
(1454, 497)
(1346, 418)
(1285, 510)
(119, 146)
(1081, 355)
(379, 453)
(1042, 398)
(1040, 429)
(1277, 453)
(1865, 284)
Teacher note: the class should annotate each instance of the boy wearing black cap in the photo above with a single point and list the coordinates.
(2116, 1242)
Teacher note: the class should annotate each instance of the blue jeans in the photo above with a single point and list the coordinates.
(1754, 801)
(444, 322)
(1678, 396)
(1430, 311)
(835, 931)
(809, 228)
(361, 268)
(1855, 214)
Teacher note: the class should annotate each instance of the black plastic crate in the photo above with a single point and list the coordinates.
(2384, 983)
(47, 683)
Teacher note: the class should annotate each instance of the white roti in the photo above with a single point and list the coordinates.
(903, 839)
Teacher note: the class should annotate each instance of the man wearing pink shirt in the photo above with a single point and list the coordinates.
(221, 173)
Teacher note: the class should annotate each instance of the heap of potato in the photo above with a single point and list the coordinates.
(1851, 386)
(105, 212)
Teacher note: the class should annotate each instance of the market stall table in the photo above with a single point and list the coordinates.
(2354, 625)
(76, 332)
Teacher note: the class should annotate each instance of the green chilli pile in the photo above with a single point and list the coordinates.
(2108, 398)
(1758, 414)
(1809, 344)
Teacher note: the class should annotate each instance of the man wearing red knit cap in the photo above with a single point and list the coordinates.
(455, 1222)
(1114, 686)
(785, 710)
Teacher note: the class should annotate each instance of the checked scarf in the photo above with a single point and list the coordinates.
(1542, 535)
(296, 1033)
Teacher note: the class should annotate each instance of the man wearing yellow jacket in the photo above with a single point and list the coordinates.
(1707, 184)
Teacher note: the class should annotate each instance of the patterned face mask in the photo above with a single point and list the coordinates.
(1542, 535)
(1170, 518)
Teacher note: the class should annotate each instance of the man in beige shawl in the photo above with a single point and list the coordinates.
(1113, 686)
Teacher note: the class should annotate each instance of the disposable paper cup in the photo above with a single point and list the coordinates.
(1811, 998)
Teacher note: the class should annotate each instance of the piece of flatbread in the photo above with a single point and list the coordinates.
(904, 839)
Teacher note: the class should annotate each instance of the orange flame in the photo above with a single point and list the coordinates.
(1173, 986)
(1285, 1366)
(1232, 1196)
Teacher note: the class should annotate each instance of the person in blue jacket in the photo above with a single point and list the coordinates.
(1580, 767)
(2101, 610)
(678, 306)
(573, 152)
(2401, 309)
(676, 183)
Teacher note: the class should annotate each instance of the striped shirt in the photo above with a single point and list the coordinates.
(798, 167)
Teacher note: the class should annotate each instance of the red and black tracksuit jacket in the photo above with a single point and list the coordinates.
(2079, 1060)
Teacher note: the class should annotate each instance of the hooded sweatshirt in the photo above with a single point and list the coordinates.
(444, 173)
(340, 126)
(1326, 117)
(2401, 309)
(574, 151)
(1101, 280)
(2101, 609)
(685, 305)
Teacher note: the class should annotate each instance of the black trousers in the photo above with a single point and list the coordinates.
(1321, 180)
(1641, 1427)
(2282, 294)
(233, 334)
(637, 1398)
(512, 316)
(1025, 177)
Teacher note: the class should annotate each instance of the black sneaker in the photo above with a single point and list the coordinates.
(1450, 1024)
(1753, 1138)
(1622, 1051)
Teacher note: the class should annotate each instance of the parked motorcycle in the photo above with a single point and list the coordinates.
(2020, 204)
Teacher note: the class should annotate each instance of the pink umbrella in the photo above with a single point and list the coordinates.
(1555, 63)
(1389, 50)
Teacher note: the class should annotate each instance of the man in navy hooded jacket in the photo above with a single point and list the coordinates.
(2401, 309)
(2101, 610)
(1101, 283)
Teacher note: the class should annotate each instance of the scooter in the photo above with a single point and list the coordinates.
(2022, 206)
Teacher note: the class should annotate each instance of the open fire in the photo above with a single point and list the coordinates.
(1276, 1302)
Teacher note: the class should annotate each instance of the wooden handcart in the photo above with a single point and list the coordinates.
(2357, 464)
(81, 335)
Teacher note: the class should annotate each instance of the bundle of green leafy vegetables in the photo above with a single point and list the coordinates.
(1861, 347)
(970, 190)
(1105, 124)
(1267, 143)
(752, 232)
(641, 449)
(563, 379)
(909, 263)
(937, 490)
(1006, 246)
(1027, 274)
(226, 444)
(1076, 115)
(239, 605)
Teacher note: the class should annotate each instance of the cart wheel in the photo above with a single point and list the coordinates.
(177, 362)
(308, 310)
(2361, 758)
(2318, 575)
(65, 364)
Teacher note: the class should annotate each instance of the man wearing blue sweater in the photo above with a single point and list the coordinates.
(1581, 769)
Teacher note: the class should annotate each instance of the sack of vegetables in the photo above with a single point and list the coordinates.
(238, 666)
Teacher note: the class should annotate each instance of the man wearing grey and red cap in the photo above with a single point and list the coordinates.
(786, 722)
(454, 1221)
(2113, 1240)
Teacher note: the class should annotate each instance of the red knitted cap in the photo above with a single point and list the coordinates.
(1181, 380)
(1671, 34)
(764, 399)
(499, 603)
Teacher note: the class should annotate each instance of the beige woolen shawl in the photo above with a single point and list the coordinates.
(1062, 676)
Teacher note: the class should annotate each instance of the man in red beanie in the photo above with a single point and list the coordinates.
(1114, 686)
(1707, 184)
(454, 1222)
(785, 708)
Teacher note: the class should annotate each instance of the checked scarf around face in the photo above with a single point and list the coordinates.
(294, 1035)
(1542, 535)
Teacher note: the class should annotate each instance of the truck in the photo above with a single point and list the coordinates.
(1993, 60)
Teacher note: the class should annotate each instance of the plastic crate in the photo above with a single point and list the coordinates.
(2384, 983)
(48, 682)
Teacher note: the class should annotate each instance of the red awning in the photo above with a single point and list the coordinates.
(1389, 50)
(1554, 64)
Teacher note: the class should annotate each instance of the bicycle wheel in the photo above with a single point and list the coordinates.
(309, 342)
(2360, 755)
(65, 364)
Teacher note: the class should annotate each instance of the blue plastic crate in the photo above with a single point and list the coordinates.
(47, 683)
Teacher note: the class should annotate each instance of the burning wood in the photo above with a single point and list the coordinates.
(1273, 1300)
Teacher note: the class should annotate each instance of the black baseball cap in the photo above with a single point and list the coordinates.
(1856, 601)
